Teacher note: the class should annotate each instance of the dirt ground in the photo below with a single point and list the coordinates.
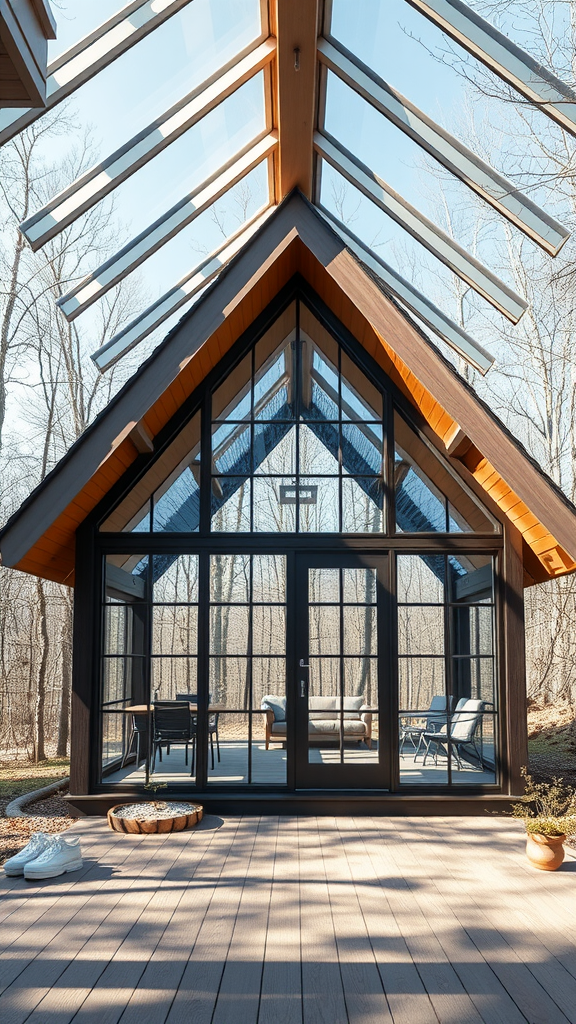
(50, 815)
(552, 741)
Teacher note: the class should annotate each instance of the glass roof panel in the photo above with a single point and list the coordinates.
(174, 260)
(199, 153)
(409, 257)
(76, 19)
(416, 58)
(415, 175)
(156, 73)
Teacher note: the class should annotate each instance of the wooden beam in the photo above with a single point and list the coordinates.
(24, 31)
(295, 24)
(90, 55)
(141, 439)
(457, 443)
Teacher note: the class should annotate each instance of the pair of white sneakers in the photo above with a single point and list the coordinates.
(46, 856)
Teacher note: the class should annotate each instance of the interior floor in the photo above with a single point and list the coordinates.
(268, 767)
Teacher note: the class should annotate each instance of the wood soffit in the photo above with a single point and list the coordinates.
(294, 240)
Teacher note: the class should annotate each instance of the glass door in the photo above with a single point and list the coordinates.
(342, 655)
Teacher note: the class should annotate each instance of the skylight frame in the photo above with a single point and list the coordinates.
(92, 186)
(440, 244)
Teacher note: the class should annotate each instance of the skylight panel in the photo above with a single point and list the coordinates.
(75, 19)
(427, 67)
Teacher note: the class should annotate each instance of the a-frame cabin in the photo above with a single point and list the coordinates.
(299, 523)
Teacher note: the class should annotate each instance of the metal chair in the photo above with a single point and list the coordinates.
(172, 725)
(138, 728)
(436, 718)
(213, 732)
(464, 725)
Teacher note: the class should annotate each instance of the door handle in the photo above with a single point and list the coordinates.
(303, 688)
(303, 664)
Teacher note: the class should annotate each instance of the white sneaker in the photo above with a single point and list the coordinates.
(59, 856)
(15, 865)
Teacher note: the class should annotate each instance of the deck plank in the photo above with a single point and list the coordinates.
(408, 1000)
(366, 1001)
(448, 996)
(82, 974)
(151, 1001)
(322, 988)
(281, 994)
(242, 977)
(109, 997)
(540, 986)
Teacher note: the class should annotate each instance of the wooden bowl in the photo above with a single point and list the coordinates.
(150, 826)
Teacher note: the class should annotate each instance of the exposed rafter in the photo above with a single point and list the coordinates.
(443, 326)
(178, 296)
(102, 179)
(94, 285)
(93, 53)
(502, 56)
(295, 24)
(502, 194)
(425, 231)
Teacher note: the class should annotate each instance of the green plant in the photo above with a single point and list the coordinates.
(548, 808)
(158, 805)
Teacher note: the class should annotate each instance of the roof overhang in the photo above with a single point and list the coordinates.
(40, 537)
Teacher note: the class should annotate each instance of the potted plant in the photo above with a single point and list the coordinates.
(147, 817)
(549, 813)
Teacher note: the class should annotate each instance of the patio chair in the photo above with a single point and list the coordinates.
(213, 732)
(172, 726)
(138, 729)
(436, 717)
(464, 725)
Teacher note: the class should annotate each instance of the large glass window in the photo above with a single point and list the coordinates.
(428, 498)
(446, 669)
(247, 668)
(298, 437)
(299, 440)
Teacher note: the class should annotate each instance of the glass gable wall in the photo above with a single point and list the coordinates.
(298, 441)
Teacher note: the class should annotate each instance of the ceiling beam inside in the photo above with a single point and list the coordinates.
(295, 24)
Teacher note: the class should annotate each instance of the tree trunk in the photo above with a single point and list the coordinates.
(64, 719)
(39, 751)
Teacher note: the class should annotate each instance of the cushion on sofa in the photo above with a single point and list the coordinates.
(355, 727)
(352, 707)
(322, 708)
(276, 704)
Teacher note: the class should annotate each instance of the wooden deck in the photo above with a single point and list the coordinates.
(295, 921)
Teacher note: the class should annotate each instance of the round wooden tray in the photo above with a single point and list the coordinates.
(149, 826)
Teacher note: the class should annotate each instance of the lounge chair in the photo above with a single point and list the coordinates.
(436, 717)
(461, 733)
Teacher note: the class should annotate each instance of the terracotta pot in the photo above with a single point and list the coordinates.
(149, 826)
(545, 852)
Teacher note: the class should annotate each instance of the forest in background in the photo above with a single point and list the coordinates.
(50, 390)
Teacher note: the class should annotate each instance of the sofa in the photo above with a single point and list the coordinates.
(323, 719)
